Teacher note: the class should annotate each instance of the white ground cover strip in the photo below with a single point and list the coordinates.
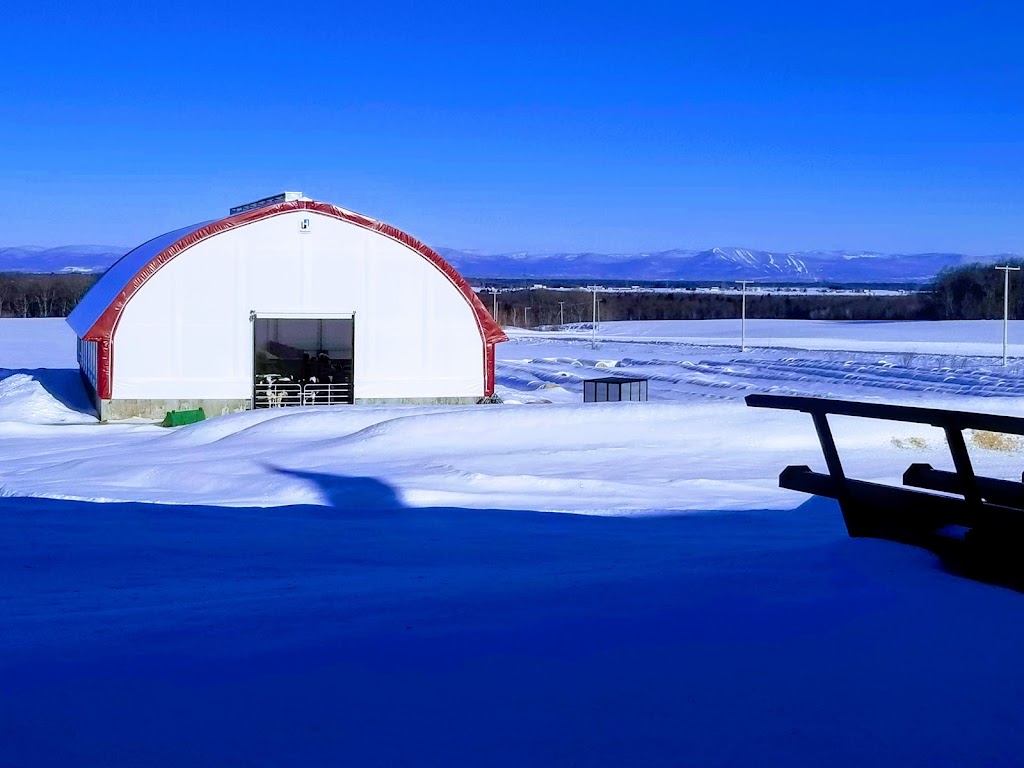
(695, 446)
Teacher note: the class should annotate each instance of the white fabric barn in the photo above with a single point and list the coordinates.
(287, 301)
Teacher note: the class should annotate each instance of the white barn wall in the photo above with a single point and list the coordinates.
(186, 333)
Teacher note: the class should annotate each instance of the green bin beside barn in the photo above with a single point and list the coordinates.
(181, 418)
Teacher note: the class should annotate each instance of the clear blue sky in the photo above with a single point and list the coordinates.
(895, 126)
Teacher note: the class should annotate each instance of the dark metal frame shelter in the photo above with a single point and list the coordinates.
(609, 389)
(977, 524)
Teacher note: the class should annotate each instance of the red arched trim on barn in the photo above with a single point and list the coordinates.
(102, 331)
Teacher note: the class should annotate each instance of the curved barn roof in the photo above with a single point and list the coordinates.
(121, 273)
(97, 314)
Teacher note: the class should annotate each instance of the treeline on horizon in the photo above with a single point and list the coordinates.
(27, 295)
(973, 292)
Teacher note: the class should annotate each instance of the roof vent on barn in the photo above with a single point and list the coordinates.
(282, 197)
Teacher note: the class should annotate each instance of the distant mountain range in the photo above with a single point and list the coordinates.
(709, 265)
(716, 264)
(63, 259)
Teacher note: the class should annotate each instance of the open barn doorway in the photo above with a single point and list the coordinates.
(302, 361)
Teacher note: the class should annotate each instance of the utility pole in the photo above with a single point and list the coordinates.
(743, 315)
(561, 313)
(1006, 302)
(593, 325)
(494, 299)
(526, 317)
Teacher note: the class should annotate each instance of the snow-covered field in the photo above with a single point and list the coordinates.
(382, 586)
(693, 446)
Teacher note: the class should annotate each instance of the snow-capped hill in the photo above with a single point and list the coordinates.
(849, 255)
(65, 258)
(751, 263)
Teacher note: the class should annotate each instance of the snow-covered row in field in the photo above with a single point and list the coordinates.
(947, 337)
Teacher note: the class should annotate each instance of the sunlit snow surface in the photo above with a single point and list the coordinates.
(693, 446)
(385, 585)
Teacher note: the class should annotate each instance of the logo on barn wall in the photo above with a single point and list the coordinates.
(305, 225)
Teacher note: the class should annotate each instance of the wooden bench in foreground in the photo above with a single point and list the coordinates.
(976, 523)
